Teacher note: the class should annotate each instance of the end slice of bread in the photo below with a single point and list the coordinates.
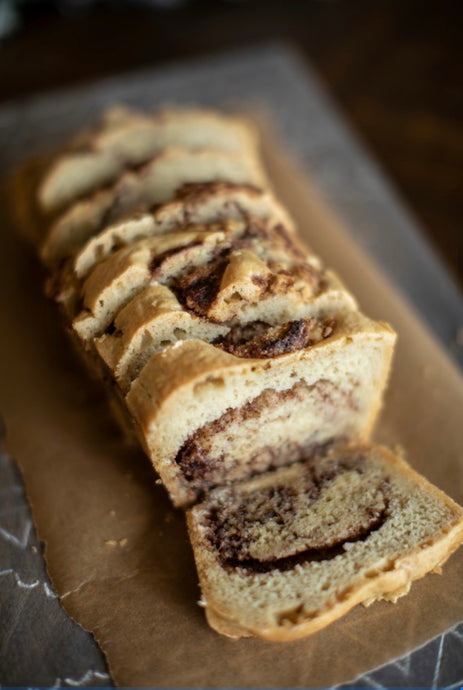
(286, 553)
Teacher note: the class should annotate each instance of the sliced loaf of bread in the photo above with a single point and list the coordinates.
(245, 367)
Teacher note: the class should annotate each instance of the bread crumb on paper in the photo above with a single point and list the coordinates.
(116, 542)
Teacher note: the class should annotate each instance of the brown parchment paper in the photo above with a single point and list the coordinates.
(118, 554)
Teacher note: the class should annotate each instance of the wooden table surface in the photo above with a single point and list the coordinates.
(395, 69)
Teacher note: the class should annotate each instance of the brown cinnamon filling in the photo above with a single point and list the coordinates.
(230, 532)
(192, 191)
(155, 266)
(198, 288)
(289, 242)
(194, 457)
(272, 342)
(358, 533)
(239, 334)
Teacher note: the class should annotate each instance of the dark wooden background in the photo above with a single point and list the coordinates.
(393, 66)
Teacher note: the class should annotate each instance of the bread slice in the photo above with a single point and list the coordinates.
(286, 553)
(117, 280)
(207, 202)
(154, 183)
(155, 319)
(127, 138)
(207, 415)
(151, 322)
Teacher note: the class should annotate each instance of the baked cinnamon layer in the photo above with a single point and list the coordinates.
(209, 202)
